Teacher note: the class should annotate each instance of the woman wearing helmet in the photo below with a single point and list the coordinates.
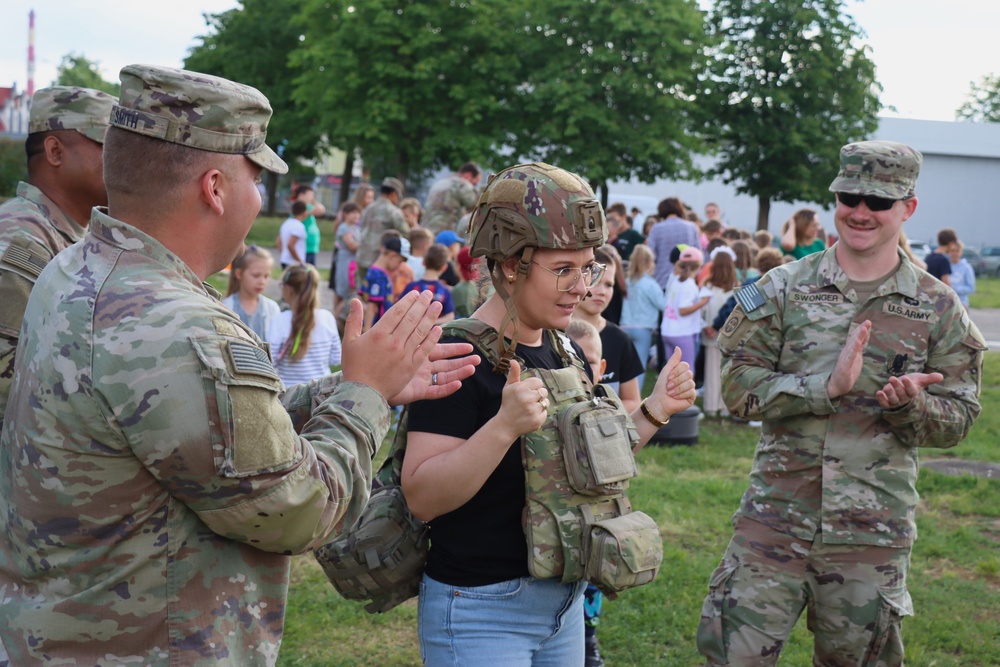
(537, 226)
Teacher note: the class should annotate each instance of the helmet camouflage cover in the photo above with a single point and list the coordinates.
(530, 206)
(535, 205)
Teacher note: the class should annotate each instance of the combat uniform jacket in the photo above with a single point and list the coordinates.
(846, 467)
(37, 229)
(448, 201)
(155, 478)
(379, 217)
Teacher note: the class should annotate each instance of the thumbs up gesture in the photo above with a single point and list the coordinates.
(525, 403)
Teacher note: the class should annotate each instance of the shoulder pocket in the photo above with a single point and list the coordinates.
(253, 433)
(20, 265)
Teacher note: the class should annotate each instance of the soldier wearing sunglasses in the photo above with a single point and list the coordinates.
(852, 358)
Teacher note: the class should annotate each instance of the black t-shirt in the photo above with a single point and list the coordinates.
(482, 542)
(627, 241)
(938, 265)
(613, 311)
(450, 276)
(623, 361)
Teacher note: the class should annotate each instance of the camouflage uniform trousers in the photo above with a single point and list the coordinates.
(855, 596)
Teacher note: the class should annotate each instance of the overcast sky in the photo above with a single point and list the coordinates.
(927, 51)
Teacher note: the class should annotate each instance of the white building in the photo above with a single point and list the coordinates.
(959, 184)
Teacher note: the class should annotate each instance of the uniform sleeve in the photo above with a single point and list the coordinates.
(21, 261)
(752, 385)
(468, 197)
(942, 415)
(281, 471)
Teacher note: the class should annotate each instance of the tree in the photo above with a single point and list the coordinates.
(77, 70)
(790, 83)
(983, 101)
(609, 88)
(251, 45)
(413, 85)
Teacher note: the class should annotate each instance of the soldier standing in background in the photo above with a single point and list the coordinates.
(376, 220)
(853, 358)
(451, 197)
(155, 476)
(51, 211)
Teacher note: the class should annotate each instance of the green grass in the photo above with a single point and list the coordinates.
(263, 233)
(265, 230)
(692, 492)
(987, 294)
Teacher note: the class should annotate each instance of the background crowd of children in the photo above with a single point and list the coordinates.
(655, 294)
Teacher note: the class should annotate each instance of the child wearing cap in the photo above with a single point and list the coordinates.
(376, 288)
(434, 262)
(453, 242)
(681, 320)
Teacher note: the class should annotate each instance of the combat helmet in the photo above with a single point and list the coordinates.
(530, 206)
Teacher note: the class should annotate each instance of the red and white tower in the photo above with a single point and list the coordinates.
(31, 53)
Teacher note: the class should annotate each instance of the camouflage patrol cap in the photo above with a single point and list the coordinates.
(880, 168)
(535, 205)
(71, 108)
(197, 110)
(395, 184)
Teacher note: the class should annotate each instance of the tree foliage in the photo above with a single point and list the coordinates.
(413, 84)
(78, 70)
(252, 45)
(982, 104)
(608, 90)
(790, 83)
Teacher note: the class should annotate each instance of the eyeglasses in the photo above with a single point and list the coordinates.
(871, 201)
(568, 276)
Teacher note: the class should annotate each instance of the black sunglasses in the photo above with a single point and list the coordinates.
(871, 201)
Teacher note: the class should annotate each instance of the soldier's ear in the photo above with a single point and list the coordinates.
(54, 150)
(211, 190)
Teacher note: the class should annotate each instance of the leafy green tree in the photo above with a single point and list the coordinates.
(413, 85)
(790, 82)
(77, 70)
(983, 101)
(609, 87)
(252, 44)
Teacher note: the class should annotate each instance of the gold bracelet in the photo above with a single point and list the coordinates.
(650, 418)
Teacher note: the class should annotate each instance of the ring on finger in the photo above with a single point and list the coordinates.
(434, 379)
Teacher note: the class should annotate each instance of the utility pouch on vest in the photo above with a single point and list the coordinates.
(578, 521)
(598, 438)
(382, 556)
(624, 552)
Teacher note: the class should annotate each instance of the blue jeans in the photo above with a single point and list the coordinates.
(642, 339)
(522, 622)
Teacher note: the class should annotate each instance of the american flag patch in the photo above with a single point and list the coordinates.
(25, 259)
(750, 298)
(250, 359)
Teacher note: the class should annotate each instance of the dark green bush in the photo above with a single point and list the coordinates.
(12, 165)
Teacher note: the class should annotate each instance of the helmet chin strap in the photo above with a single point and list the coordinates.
(505, 351)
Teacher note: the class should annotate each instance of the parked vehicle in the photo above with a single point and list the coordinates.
(991, 261)
(920, 249)
(974, 259)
